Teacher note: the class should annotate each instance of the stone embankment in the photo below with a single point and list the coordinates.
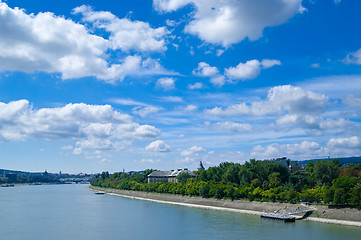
(343, 216)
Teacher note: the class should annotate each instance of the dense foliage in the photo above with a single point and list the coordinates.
(30, 178)
(322, 181)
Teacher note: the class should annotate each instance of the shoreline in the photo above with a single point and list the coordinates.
(346, 216)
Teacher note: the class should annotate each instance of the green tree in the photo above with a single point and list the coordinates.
(183, 177)
(204, 189)
(323, 172)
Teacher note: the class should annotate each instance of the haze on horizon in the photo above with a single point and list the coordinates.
(87, 86)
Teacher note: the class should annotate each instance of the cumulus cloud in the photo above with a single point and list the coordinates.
(166, 83)
(243, 71)
(285, 98)
(354, 58)
(352, 100)
(144, 111)
(126, 34)
(205, 70)
(194, 150)
(348, 146)
(141, 109)
(196, 85)
(191, 107)
(249, 70)
(158, 146)
(289, 106)
(218, 80)
(298, 151)
(351, 142)
(94, 127)
(231, 126)
(228, 22)
(312, 122)
(49, 43)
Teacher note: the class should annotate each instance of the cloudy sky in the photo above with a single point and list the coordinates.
(88, 85)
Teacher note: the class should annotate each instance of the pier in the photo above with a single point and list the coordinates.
(279, 217)
(286, 215)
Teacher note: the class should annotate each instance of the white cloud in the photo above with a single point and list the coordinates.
(205, 70)
(148, 160)
(141, 109)
(336, 147)
(312, 122)
(218, 80)
(191, 108)
(249, 70)
(158, 146)
(334, 86)
(232, 126)
(94, 127)
(192, 154)
(144, 111)
(219, 52)
(67, 147)
(169, 5)
(289, 106)
(196, 85)
(243, 71)
(351, 142)
(132, 66)
(298, 151)
(354, 58)
(174, 99)
(352, 100)
(106, 161)
(228, 22)
(194, 150)
(48, 43)
(237, 109)
(127, 102)
(166, 83)
(171, 23)
(285, 98)
(315, 65)
(349, 146)
(126, 34)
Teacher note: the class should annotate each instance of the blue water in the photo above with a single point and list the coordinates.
(69, 212)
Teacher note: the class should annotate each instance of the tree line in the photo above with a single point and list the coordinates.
(321, 182)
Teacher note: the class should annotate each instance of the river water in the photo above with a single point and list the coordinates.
(68, 212)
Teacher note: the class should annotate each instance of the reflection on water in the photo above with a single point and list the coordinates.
(73, 212)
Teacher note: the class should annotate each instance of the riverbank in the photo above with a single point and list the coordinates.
(343, 216)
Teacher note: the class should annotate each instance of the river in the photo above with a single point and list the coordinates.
(67, 212)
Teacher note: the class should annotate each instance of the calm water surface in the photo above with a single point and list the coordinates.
(73, 212)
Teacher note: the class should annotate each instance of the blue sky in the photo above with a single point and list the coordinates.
(88, 86)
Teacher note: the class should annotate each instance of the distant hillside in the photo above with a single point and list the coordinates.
(13, 176)
(343, 161)
(5, 171)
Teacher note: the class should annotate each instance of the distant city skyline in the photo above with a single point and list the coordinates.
(92, 86)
